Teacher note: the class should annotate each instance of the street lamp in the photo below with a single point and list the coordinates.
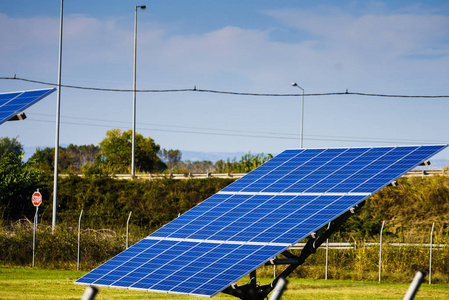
(133, 155)
(58, 101)
(302, 115)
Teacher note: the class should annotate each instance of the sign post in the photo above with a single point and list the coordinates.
(36, 199)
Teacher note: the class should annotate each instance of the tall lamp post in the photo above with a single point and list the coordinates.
(301, 137)
(133, 155)
(58, 100)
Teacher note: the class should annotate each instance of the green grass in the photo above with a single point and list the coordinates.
(18, 283)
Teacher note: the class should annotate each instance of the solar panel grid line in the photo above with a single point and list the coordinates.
(246, 214)
(154, 285)
(300, 222)
(299, 167)
(198, 258)
(264, 166)
(389, 166)
(218, 291)
(277, 170)
(118, 266)
(204, 213)
(292, 194)
(347, 163)
(321, 224)
(362, 156)
(9, 100)
(215, 241)
(371, 163)
(336, 170)
(211, 209)
(193, 292)
(281, 219)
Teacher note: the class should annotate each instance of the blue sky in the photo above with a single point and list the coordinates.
(394, 47)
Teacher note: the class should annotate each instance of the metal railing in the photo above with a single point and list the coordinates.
(151, 176)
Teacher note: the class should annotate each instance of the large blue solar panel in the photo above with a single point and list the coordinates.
(257, 217)
(14, 103)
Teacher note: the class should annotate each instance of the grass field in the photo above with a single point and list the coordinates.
(26, 283)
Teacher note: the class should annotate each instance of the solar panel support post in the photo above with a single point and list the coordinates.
(253, 278)
(251, 292)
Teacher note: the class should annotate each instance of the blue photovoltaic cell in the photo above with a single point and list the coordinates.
(334, 170)
(180, 267)
(257, 217)
(12, 104)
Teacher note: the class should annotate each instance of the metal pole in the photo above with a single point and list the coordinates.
(127, 227)
(302, 120)
(133, 157)
(327, 252)
(380, 251)
(34, 232)
(253, 278)
(279, 289)
(58, 100)
(414, 286)
(90, 293)
(301, 137)
(79, 235)
(430, 255)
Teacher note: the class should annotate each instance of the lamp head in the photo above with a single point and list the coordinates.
(142, 7)
(294, 84)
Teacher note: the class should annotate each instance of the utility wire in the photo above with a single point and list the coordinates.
(226, 92)
(279, 137)
(250, 133)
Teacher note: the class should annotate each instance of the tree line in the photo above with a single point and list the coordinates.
(113, 156)
(19, 179)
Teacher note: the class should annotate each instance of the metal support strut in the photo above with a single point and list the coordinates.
(253, 291)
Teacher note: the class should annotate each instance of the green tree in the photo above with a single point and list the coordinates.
(171, 157)
(43, 159)
(8, 145)
(227, 166)
(71, 159)
(18, 181)
(115, 153)
(249, 162)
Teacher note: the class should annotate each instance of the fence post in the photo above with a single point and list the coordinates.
(327, 251)
(34, 232)
(430, 255)
(127, 228)
(380, 251)
(79, 235)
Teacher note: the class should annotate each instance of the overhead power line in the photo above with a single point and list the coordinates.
(194, 89)
(249, 134)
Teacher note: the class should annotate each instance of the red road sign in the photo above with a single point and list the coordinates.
(36, 199)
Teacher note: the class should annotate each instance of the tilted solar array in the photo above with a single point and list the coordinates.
(256, 218)
(14, 103)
